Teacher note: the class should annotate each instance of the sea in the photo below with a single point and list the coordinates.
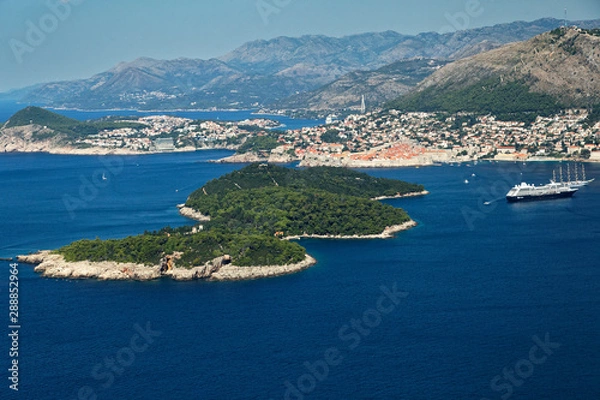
(482, 300)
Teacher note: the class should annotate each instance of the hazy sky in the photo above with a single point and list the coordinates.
(47, 40)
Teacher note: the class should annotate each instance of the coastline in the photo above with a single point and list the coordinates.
(234, 273)
(51, 148)
(190, 213)
(387, 233)
(252, 157)
(22, 140)
(51, 265)
(98, 151)
(402, 196)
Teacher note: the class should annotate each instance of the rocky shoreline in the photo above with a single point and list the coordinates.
(52, 265)
(387, 233)
(190, 213)
(233, 273)
(252, 157)
(401, 196)
(22, 139)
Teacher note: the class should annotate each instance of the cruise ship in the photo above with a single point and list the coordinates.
(552, 190)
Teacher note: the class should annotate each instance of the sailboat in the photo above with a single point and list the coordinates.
(578, 183)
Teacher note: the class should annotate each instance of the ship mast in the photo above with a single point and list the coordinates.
(560, 171)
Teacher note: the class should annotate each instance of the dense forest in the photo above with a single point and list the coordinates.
(294, 212)
(252, 208)
(507, 100)
(257, 144)
(196, 249)
(339, 181)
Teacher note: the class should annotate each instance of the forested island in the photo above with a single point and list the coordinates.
(248, 218)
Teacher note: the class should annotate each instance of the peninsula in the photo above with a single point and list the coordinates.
(249, 220)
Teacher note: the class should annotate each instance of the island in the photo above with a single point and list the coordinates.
(249, 221)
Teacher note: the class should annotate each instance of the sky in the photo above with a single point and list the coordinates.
(51, 40)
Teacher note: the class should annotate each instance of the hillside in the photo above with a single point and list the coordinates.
(554, 70)
(39, 116)
(379, 86)
(37, 129)
(375, 50)
(194, 249)
(264, 199)
(61, 125)
(161, 84)
(263, 72)
(334, 180)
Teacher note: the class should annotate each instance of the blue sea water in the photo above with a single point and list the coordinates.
(8, 108)
(479, 282)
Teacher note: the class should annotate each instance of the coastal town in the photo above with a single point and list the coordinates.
(386, 139)
(397, 139)
(169, 133)
(375, 139)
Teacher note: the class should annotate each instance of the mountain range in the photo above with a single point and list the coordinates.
(554, 70)
(378, 86)
(266, 73)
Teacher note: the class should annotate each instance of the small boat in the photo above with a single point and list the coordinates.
(104, 178)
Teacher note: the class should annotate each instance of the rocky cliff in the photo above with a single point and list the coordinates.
(52, 265)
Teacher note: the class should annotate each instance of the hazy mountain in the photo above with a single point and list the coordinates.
(18, 94)
(556, 69)
(377, 86)
(143, 82)
(263, 72)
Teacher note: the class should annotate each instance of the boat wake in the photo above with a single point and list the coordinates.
(487, 203)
